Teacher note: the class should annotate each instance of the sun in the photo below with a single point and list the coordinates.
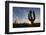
(29, 22)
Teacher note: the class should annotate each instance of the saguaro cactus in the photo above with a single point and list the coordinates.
(31, 16)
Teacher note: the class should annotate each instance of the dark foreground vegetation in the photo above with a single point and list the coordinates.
(15, 25)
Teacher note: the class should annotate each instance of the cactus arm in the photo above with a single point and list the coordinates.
(34, 15)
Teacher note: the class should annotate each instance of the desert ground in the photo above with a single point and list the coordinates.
(15, 25)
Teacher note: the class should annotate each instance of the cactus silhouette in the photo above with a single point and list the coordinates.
(31, 16)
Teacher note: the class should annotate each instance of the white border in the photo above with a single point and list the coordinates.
(11, 29)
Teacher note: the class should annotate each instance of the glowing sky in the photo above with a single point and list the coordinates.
(20, 14)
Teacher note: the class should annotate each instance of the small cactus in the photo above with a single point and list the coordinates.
(31, 16)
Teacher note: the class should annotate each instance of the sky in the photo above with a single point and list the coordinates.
(20, 14)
